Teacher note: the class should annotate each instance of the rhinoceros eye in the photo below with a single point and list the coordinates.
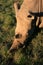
(29, 16)
(18, 35)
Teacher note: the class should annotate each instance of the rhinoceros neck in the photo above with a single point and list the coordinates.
(32, 5)
(40, 5)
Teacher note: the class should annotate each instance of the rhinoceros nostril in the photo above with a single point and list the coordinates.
(18, 35)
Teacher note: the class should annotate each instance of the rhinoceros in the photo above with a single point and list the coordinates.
(24, 16)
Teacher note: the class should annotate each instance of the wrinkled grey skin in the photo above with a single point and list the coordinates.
(24, 20)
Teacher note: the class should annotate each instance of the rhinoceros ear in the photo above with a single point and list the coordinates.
(16, 8)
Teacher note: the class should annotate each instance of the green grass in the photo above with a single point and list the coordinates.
(32, 55)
